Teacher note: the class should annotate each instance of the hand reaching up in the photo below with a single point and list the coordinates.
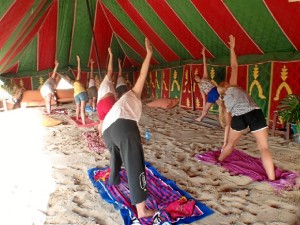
(149, 47)
(56, 63)
(231, 41)
(203, 50)
(109, 51)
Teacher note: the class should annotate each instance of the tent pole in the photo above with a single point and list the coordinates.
(94, 37)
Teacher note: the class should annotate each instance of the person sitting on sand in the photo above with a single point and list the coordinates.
(123, 139)
(121, 86)
(48, 88)
(80, 94)
(242, 112)
(207, 89)
(106, 93)
(92, 89)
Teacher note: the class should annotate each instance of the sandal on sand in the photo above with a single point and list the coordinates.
(156, 218)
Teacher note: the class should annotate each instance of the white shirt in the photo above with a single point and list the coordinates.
(129, 106)
(106, 86)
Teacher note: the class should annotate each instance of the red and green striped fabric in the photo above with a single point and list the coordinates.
(38, 31)
(267, 40)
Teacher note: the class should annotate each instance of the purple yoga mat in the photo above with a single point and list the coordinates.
(240, 163)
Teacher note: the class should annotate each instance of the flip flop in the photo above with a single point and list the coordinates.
(135, 221)
(156, 218)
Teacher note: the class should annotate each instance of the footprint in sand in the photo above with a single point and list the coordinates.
(158, 155)
(181, 157)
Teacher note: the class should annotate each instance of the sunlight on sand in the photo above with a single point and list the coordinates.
(25, 170)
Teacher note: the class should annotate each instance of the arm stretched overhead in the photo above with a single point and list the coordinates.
(205, 72)
(233, 62)
(120, 67)
(139, 85)
(55, 69)
(110, 65)
(78, 68)
(92, 69)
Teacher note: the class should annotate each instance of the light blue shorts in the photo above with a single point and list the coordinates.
(81, 97)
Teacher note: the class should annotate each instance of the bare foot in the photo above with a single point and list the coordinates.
(142, 211)
(146, 213)
(198, 119)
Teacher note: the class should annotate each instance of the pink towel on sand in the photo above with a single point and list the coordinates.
(241, 163)
(93, 142)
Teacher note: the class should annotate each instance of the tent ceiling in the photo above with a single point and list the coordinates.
(38, 31)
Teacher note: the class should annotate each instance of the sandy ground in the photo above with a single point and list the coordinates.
(44, 171)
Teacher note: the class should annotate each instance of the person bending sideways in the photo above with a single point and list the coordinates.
(123, 140)
(241, 112)
(106, 93)
(208, 90)
(48, 88)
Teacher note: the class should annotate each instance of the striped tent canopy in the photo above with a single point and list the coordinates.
(36, 32)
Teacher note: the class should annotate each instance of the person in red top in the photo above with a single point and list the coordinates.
(106, 93)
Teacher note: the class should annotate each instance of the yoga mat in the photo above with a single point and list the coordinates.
(240, 163)
(93, 142)
(88, 122)
(206, 123)
(162, 194)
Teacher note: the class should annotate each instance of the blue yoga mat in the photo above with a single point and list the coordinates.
(161, 193)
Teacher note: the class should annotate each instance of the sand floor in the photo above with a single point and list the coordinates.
(44, 171)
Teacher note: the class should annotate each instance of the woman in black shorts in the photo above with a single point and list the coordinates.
(242, 112)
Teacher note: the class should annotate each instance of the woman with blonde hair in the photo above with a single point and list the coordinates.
(241, 112)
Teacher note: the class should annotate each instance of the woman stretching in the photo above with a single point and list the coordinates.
(92, 89)
(106, 93)
(242, 112)
(207, 89)
(48, 88)
(80, 94)
(122, 138)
